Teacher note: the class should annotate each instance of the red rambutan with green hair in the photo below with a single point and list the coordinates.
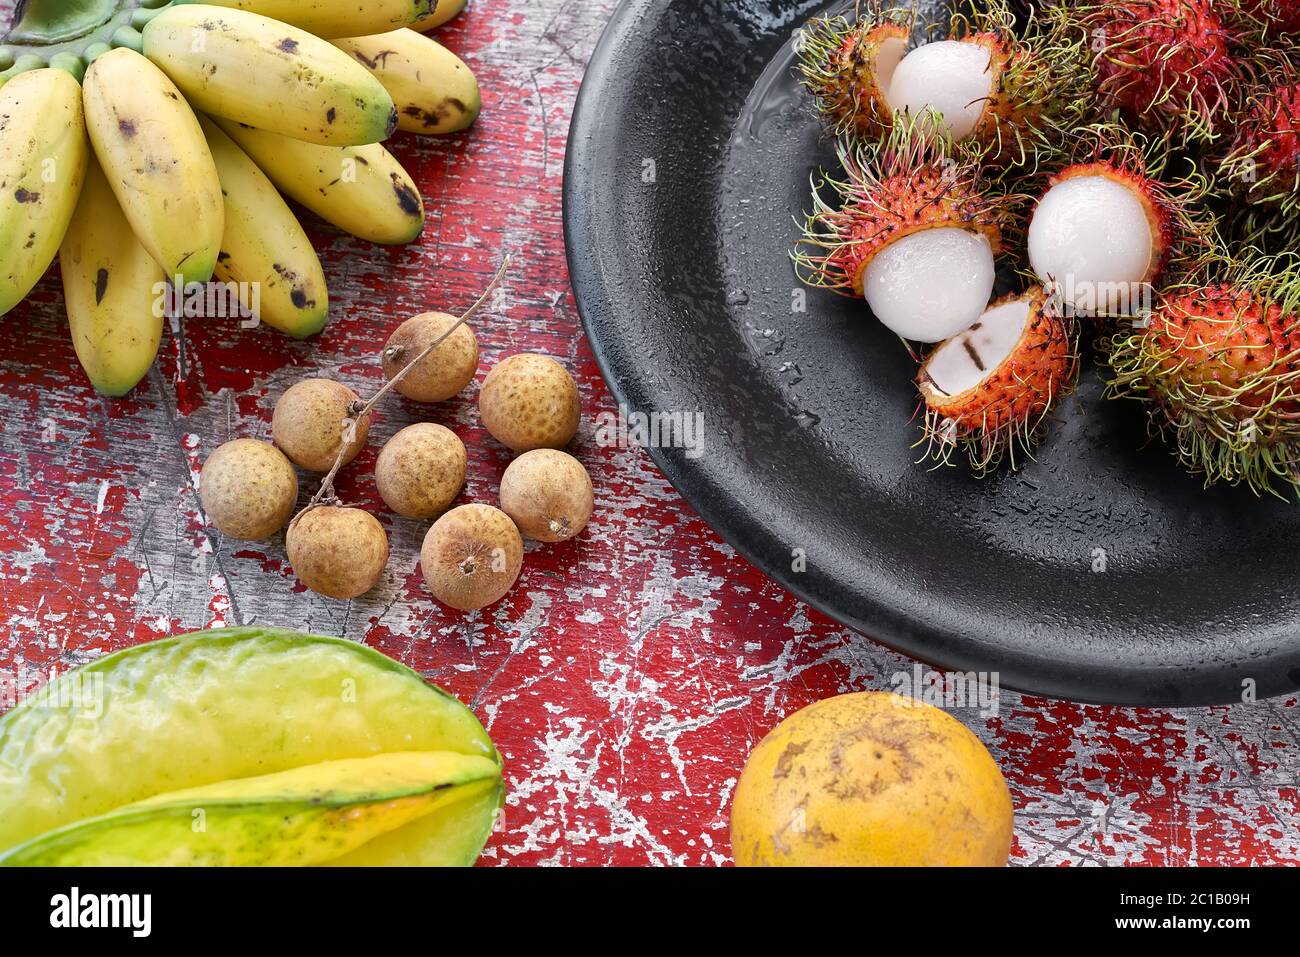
(1170, 66)
(1279, 18)
(1015, 89)
(1218, 366)
(1115, 221)
(990, 390)
(1263, 163)
(912, 226)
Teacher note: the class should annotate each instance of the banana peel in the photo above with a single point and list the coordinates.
(241, 723)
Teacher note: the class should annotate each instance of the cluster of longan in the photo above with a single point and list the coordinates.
(472, 554)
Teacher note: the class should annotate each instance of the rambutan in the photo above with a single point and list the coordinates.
(914, 230)
(1016, 92)
(1112, 223)
(991, 388)
(1263, 163)
(1280, 18)
(1219, 366)
(848, 66)
(1167, 65)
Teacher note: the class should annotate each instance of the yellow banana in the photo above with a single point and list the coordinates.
(360, 189)
(265, 247)
(255, 70)
(443, 10)
(335, 18)
(154, 156)
(111, 286)
(42, 164)
(434, 91)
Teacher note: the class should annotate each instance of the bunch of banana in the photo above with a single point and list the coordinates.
(148, 142)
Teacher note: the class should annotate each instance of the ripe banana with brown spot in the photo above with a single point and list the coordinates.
(265, 245)
(434, 91)
(111, 288)
(443, 10)
(360, 189)
(43, 155)
(335, 18)
(154, 156)
(249, 68)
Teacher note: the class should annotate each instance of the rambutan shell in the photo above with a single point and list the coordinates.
(1021, 388)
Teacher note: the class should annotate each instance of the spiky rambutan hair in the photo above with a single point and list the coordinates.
(1218, 367)
(1171, 66)
(1262, 164)
(913, 180)
(1039, 81)
(846, 63)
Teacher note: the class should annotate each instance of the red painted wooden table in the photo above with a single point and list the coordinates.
(631, 671)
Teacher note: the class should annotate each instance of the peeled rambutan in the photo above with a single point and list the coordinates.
(1112, 224)
(1014, 89)
(1167, 65)
(1219, 366)
(913, 229)
(990, 388)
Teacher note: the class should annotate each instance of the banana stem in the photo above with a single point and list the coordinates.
(41, 22)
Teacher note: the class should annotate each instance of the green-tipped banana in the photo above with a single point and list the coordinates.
(434, 91)
(443, 11)
(43, 156)
(110, 288)
(300, 817)
(249, 68)
(335, 18)
(118, 738)
(264, 249)
(360, 189)
(154, 155)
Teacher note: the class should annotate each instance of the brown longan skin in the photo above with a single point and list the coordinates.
(548, 494)
(421, 470)
(248, 489)
(530, 402)
(307, 424)
(471, 557)
(445, 371)
(337, 552)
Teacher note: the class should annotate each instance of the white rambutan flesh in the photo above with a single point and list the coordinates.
(968, 358)
(1090, 238)
(930, 285)
(951, 77)
(889, 55)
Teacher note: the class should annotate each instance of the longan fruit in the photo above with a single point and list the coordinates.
(336, 551)
(308, 423)
(445, 371)
(248, 489)
(421, 470)
(472, 557)
(548, 494)
(530, 402)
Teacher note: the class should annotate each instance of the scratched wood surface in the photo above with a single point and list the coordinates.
(631, 671)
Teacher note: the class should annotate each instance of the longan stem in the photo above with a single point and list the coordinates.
(359, 410)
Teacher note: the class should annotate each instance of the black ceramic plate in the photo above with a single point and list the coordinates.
(1100, 572)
